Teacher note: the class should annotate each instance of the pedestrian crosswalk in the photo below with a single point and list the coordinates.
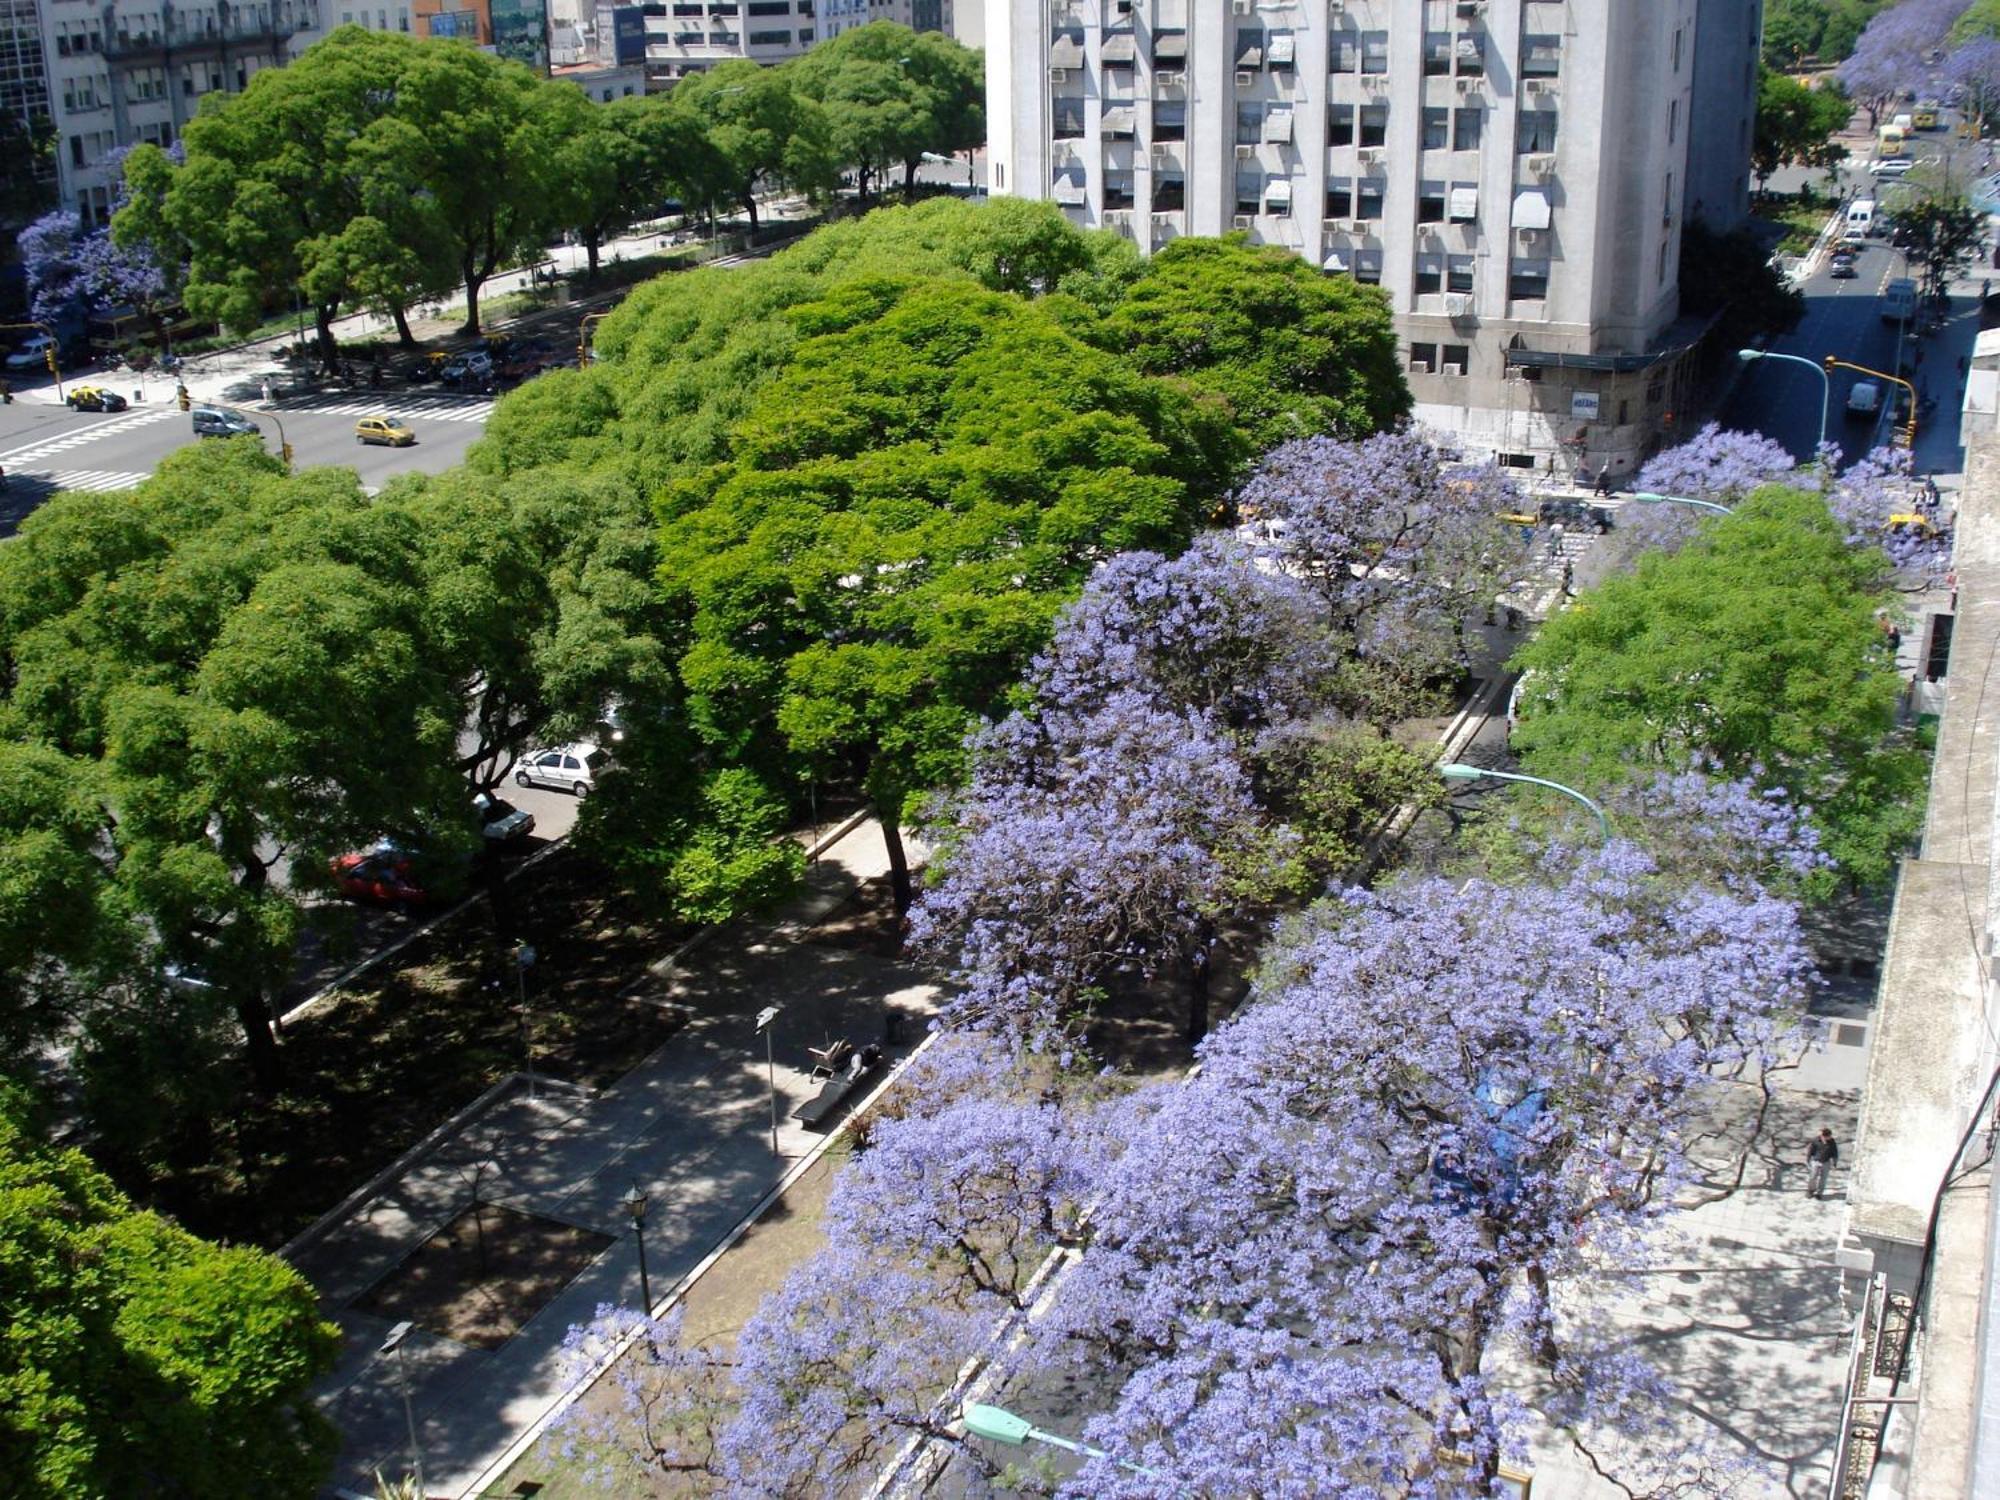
(439, 408)
(76, 437)
(86, 479)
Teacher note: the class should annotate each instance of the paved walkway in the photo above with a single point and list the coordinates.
(690, 1126)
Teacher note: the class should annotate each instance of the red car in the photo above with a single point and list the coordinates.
(386, 877)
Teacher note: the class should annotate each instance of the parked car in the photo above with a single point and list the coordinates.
(1842, 266)
(500, 821)
(31, 355)
(1864, 399)
(523, 360)
(213, 421)
(391, 432)
(1890, 166)
(472, 367)
(568, 768)
(386, 876)
(1574, 513)
(95, 398)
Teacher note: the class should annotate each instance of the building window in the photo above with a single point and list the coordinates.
(1339, 198)
(1673, 120)
(1667, 201)
(1661, 275)
(1068, 119)
(1368, 198)
(1343, 52)
(1430, 275)
(1117, 190)
(1169, 193)
(1537, 130)
(1457, 359)
(1541, 56)
(1528, 280)
(1249, 123)
(1423, 358)
(76, 151)
(1677, 49)
(1430, 203)
(1374, 124)
(1374, 51)
(1468, 52)
(1437, 54)
(1466, 122)
(1170, 119)
(1436, 127)
(1250, 47)
(1340, 124)
(1368, 267)
(1249, 194)
(1458, 273)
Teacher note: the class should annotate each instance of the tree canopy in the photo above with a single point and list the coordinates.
(1755, 651)
(140, 1360)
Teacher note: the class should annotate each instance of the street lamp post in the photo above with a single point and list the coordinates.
(764, 1019)
(1648, 497)
(393, 1345)
(635, 1205)
(998, 1425)
(524, 960)
(1455, 771)
(1825, 383)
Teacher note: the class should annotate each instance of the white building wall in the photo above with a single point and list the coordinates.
(694, 35)
(1618, 78)
(837, 16)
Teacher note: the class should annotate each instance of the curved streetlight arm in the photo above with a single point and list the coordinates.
(998, 1425)
(1825, 382)
(1454, 771)
(1648, 497)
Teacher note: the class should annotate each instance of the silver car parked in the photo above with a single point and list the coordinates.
(569, 768)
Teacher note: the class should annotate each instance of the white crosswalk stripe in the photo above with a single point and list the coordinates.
(88, 479)
(76, 437)
(421, 408)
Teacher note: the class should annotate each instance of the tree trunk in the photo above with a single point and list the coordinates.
(262, 1043)
(403, 335)
(750, 207)
(909, 177)
(329, 348)
(899, 860)
(472, 285)
(1198, 985)
(1544, 1339)
(592, 240)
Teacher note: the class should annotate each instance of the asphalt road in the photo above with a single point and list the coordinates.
(1844, 318)
(46, 448)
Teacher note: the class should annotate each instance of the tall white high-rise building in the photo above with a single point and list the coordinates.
(1514, 174)
(690, 36)
(837, 16)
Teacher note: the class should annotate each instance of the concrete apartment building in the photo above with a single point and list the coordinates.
(688, 36)
(1515, 175)
(137, 70)
(837, 16)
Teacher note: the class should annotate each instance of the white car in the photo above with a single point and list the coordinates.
(1890, 166)
(568, 768)
(31, 354)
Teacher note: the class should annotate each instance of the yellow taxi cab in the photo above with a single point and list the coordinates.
(392, 431)
(1910, 523)
(94, 398)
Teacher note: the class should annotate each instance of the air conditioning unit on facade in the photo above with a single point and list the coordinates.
(1369, 156)
(1420, 367)
(1161, 157)
(1542, 163)
(1241, 221)
(1245, 79)
(1471, 8)
(1465, 84)
(1172, 80)
(1246, 153)
(1452, 369)
(1242, 7)
(1458, 305)
(1354, 226)
(1058, 75)
(1540, 88)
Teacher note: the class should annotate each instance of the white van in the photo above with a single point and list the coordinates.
(1899, 300)
(1860, 220)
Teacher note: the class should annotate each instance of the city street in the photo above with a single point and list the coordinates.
(46, 448)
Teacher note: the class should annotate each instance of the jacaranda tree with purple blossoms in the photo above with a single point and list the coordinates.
(1428, 1121)
(1894, 53)
(1401, 543)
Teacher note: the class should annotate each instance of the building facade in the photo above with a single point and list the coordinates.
(136, 71)
(1512, 173)
(690, 36)
(837, 16)
(24, 75)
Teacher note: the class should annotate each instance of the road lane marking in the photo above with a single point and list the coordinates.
(76, 437)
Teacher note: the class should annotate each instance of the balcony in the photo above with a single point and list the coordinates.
(230, 27)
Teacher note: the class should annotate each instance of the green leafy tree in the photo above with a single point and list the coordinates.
(1291, 351)
(1755, 652)
(27, 167)
(886, 100)
(1935, 222)
(140, 1360)
(1981, 19)
(1732, 273)
(619, 161)
(904, 509)
(756, 128)
(1794, 123)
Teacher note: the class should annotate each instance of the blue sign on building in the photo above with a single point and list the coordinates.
(628, 34)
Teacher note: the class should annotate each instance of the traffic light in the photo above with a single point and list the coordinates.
(1830, 364)
(582, 353)
(285, 452)
(49, 358)
(182, 396)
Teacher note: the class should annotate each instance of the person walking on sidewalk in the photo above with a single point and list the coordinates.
(1820, 1157)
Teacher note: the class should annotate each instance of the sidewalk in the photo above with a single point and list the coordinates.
(690, 1128)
